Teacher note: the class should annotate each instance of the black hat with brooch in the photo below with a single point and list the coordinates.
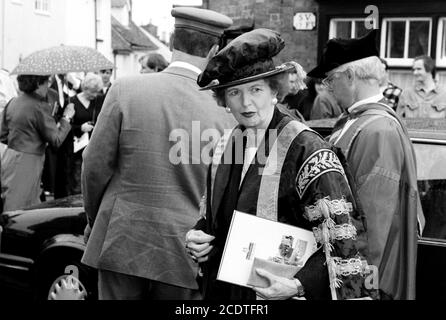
(246, 58)
(341, 51)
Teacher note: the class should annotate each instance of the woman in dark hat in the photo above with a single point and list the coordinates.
(27, 127)
(307, 186)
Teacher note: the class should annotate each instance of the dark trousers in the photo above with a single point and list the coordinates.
(118, 286)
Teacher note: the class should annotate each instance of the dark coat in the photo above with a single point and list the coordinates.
(291, 210)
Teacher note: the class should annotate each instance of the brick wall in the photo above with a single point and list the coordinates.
(301, 46)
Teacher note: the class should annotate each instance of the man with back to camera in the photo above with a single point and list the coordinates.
(139, 204)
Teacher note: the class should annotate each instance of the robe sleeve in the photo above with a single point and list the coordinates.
(339, 267)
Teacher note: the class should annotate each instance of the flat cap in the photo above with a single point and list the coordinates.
(246, 58)
(340, 51)
(202, 20)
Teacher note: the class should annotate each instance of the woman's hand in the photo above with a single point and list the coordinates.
(280, 288)
(198, 245)
(87, 127)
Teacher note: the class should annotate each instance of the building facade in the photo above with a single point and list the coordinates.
(130, 43)
(30, 25)
(408, 28)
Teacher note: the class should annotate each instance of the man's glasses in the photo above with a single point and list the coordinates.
(328, 81)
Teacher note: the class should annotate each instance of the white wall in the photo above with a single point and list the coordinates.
(121, 14)
(128, 65)
(82, 31)
(70, 22)
(2, 22)
(80, 23)
(104, 28)
(26, 31)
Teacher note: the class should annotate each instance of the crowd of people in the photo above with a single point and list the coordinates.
(157, 228)
(74, 97)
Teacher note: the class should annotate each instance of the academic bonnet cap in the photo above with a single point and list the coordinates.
(341, 51)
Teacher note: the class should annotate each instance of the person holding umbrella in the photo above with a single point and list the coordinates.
(68, 61)
(27, 128)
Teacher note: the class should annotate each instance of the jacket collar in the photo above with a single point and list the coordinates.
(181, 70)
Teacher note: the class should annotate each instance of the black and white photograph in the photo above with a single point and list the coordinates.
(132, 133)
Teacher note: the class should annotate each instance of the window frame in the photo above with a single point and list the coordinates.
(332, 28)
(441, 34)
(41, 10)
(405, 61)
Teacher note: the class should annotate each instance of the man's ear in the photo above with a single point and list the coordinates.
(212, 52)
(350, 75)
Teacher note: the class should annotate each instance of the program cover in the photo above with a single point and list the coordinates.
(255, 242)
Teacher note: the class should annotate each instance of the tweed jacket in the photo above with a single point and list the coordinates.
(138, 199)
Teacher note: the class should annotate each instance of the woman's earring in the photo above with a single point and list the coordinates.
(275, 101)
(228, 110)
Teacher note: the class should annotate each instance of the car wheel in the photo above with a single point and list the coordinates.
(65, 279)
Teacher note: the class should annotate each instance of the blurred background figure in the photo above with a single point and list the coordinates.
(324, 105)
(59, 163)
(426, 98)
(87, 106)
(27, 127)
(106, 80)
(390, 91)
(153, 62)
(296, 76)
(54, 168)
(305, 98)
(290, 103)
(7, 92)
(7, 88)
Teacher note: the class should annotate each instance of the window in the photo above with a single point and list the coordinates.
(42, 6)
(432, 186)
(99, 24)
(402, 39)
(441, 43)
(347, 28)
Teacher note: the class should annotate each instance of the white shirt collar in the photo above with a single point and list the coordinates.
(186, 65)
(372, 99)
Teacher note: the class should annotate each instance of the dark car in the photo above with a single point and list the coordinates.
(428, 137)
(41, 246)
(40, 252)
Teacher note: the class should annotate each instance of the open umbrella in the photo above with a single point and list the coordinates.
(63, 59)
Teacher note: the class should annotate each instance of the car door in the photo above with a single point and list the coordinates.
(430, 150)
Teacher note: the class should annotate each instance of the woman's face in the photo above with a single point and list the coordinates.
(91, 93)
(251, 103)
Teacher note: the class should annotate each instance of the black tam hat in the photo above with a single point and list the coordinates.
(341, 51)
(246, 58)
